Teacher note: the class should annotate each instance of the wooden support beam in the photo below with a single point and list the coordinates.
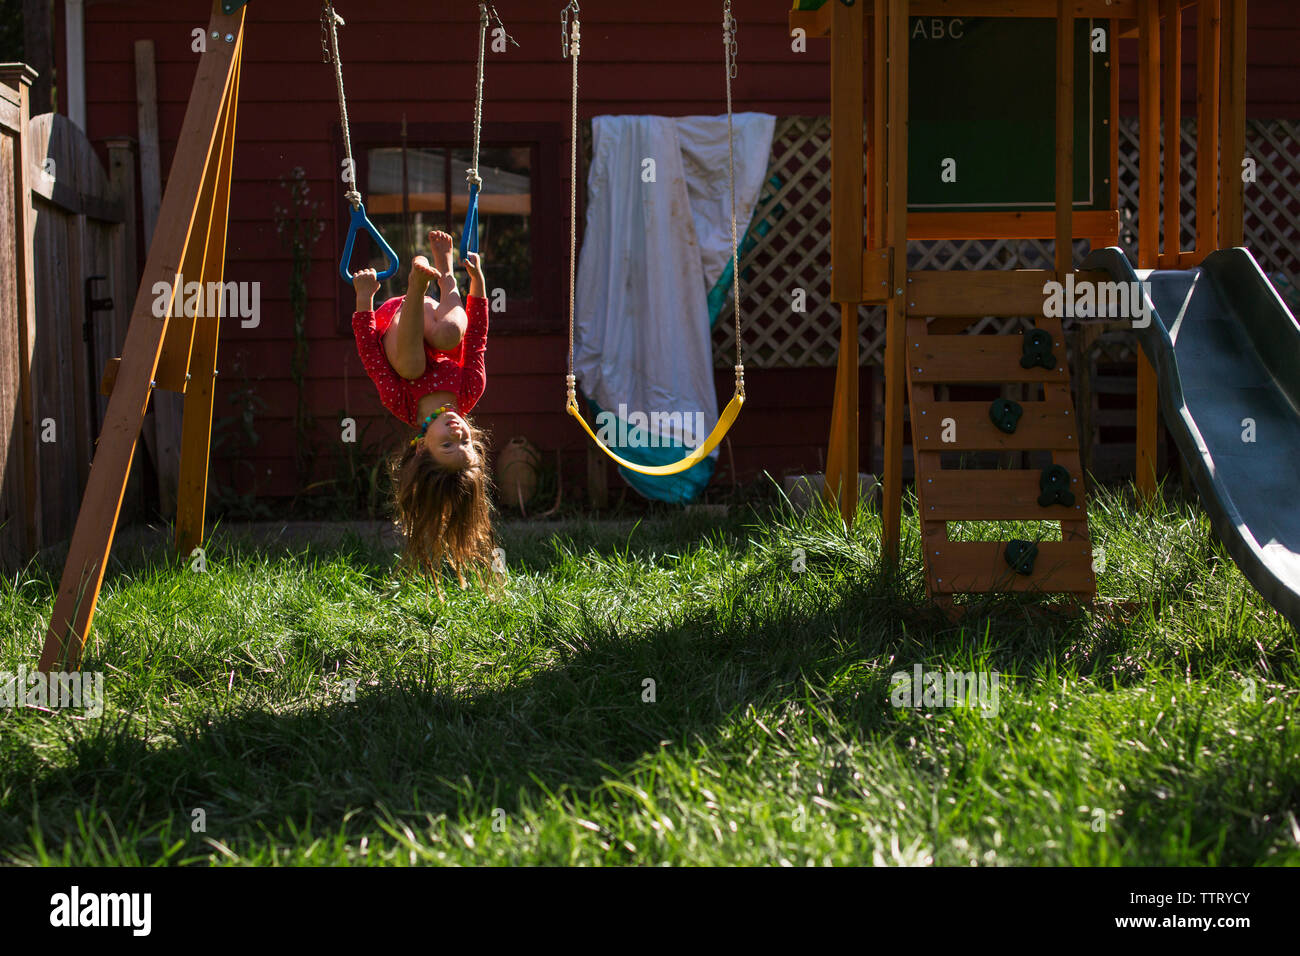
(1207, 127)
(846, 153)
(196, 435)
(841, 482)
(895, 368)
(1112, 164)
(879, 154)
(92, 540)
(1148, 227)
(1232, 122)
(1171, 66)
(1077, 575)
(1087, 224)
(846, 248)
(877, 274)
(1064, 228)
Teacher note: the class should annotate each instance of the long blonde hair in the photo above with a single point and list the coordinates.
(445, 514)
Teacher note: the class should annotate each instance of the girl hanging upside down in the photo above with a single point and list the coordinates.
(427, 360)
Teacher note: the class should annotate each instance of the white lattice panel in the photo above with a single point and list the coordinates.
(795, 252)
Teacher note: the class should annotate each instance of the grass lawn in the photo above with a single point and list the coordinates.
(516, 728)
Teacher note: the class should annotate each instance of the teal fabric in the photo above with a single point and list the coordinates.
(677, 489)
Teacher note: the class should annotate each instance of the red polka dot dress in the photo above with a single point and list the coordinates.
(462, 372)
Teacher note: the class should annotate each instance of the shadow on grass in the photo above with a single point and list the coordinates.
(415, 747)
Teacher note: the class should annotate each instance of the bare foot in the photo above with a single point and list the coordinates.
(421, 275)
(440, 246)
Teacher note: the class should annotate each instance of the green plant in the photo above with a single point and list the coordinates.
(233, 438)
(360, 486)
(299, 227)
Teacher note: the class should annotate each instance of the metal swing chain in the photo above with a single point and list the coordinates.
(730, 49)
(329, 24)
(571, 50)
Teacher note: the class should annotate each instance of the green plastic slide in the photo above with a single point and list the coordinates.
(1226, 350)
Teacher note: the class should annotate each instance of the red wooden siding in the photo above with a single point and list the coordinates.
(417, 58)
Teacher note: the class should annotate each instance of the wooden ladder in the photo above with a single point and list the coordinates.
(1047, 425)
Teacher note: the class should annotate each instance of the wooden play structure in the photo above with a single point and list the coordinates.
(998, 121)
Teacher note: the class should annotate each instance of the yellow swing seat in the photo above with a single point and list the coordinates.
(697, 455)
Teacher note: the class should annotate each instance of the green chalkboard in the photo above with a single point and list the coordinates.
(982, 93)
(982, 104)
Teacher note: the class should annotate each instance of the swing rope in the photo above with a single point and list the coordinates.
(330, 22)
(572, 42)
(469, 236)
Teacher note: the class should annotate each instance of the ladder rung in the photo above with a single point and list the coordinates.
(966, 495)
(977, 292)
(973, 293)
(962, 567)
(1044, 426)
(980, 360)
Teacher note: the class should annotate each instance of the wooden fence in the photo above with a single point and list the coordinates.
(20, 526)
(84, 287)
(64, 309)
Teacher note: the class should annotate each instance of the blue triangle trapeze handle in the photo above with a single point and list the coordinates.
(469, 238)
(359, 222)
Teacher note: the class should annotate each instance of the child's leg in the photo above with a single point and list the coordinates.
(404, 339)
(445, 328)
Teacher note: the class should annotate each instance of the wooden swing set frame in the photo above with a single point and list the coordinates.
(175, 352)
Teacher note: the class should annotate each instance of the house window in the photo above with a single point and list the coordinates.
(414, 187)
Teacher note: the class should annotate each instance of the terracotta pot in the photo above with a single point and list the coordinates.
(517, 470)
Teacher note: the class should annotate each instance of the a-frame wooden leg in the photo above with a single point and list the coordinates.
(896, 311)
(841, 484)
(196, 431)
(83, 574)
(842, 454)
